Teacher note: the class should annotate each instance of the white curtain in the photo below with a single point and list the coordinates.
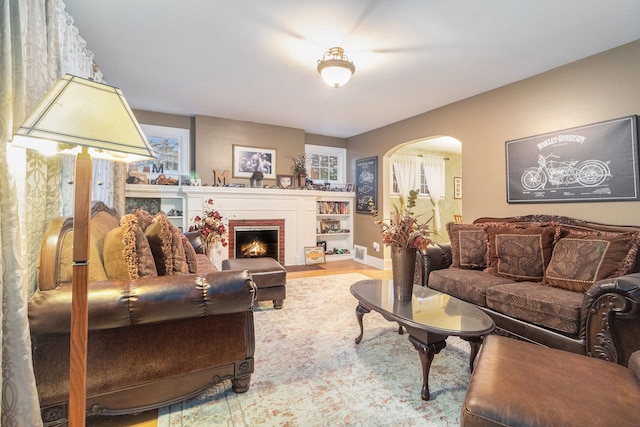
(29, 66)
(108, 181)
(405, 167)
(34, 36)
(433, 168)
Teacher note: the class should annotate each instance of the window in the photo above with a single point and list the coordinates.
(424, 186)
(326, 164)
(171, 148)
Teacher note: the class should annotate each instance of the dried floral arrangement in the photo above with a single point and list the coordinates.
(299, 164)
(403, 229)
(211, 225)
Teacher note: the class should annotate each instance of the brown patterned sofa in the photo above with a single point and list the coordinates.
(557, 281)
(153, 339)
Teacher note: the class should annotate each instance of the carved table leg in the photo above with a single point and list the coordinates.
(475, 343)
(360, 311)
(427, 352)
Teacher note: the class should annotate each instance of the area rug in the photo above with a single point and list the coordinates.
(310, 372)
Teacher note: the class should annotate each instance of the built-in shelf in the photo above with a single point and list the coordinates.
(298, 208)
(334, 213)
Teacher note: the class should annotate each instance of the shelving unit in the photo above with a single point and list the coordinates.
(334, 226)
(158, 198)
(302, 210)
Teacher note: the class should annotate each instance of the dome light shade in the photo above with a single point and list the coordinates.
(335, 68)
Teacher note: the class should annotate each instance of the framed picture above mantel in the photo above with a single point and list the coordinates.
(590, 163)
(247, 160)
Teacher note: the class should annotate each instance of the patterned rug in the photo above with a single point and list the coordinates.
(310, 372)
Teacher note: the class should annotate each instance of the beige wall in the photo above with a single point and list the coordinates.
(601, 87)
(598, 88)
(214, 138)
(327, 141)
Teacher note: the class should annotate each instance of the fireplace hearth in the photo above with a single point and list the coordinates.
(256, 238)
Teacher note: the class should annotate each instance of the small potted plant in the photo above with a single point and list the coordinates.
(299, 168)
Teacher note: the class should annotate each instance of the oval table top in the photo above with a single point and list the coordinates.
(428, 309)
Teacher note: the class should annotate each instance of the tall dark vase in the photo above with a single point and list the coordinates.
(403, 264)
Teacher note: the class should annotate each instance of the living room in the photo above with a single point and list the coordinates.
(590, 89)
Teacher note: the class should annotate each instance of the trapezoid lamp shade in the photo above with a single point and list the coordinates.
(335, 68)
(78, 113)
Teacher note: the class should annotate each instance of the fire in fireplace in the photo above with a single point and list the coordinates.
(257, 241)
(268, 233)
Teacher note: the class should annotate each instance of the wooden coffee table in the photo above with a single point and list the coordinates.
(429, 318)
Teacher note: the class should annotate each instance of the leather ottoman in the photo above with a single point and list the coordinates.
(515, 383)
(269, 276)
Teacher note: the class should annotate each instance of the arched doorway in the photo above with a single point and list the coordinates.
(446, 147)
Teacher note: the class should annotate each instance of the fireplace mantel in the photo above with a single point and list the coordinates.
(296, 207)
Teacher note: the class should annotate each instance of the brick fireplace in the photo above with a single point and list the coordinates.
(256, 225)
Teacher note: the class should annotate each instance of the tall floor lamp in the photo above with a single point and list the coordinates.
(92, 120)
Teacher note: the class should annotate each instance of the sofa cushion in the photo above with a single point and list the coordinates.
(581, 259)
(101, 223)
(465, 284)
(518, 252)
(553, 308)
(468, 245)
(126, 252)
(634, 364)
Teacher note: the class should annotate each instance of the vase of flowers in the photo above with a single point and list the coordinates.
(299, 168)
(405, 235)
(213, 228)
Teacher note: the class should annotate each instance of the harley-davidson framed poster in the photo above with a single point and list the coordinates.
(596, 162)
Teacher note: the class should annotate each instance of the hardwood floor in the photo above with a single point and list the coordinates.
(150, 418)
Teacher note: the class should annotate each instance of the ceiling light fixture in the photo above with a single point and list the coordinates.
(335, 68)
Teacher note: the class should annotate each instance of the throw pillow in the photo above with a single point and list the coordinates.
(126, 252)
(166, 244)
(144, 218)
(178, 251)
(581, 259)
(160, 239)
(468, 245)
(190, 255)
(520, 252)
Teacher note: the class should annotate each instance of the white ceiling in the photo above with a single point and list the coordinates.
(256, 60)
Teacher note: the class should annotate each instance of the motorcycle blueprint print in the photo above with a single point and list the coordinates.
(588, 173)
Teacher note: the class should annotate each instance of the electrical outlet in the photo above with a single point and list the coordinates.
(376, 246)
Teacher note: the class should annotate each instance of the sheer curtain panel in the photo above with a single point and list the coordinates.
(405, 166)
(433, 168)
(29, 66)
